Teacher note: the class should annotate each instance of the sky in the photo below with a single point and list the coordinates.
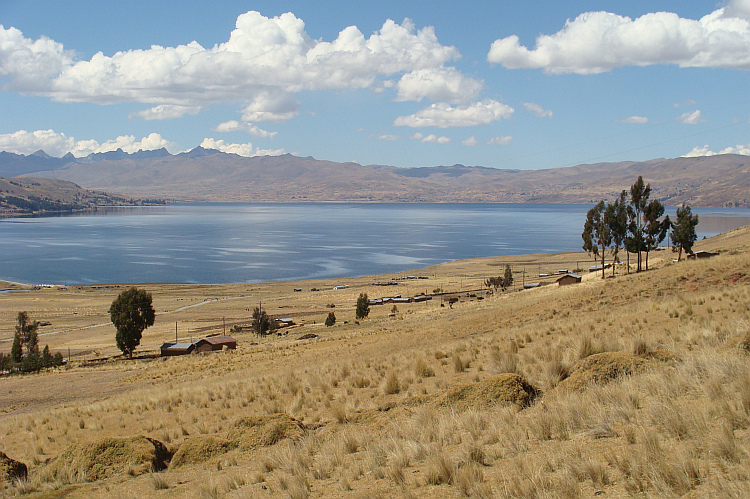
(504, 84)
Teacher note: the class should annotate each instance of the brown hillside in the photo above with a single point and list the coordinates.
(722, 180)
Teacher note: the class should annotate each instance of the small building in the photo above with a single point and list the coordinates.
(531, 285)
(171, 349)
(569, 279)
(701, 254)
(214, 343)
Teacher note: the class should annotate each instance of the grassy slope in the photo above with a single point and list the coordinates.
(678, 427)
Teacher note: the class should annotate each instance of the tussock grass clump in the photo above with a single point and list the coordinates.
(199, 449)
(392, 384)
(256, 431)
(422, 370)
(501, 389)
(110, 456)
(600, 368)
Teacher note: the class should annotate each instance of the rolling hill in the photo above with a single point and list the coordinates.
(207, 175)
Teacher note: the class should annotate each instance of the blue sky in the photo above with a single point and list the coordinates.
(506, 84)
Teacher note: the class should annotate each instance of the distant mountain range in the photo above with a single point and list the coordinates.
(209, 175)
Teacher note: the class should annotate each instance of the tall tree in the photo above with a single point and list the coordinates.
(32, 361)
(507, 276)
(131, 313)
(683, 230)
(596, 233)
(363, 306)
(655, 227)
(616, 216)
(263, 323)
(639, 194)
(16, 350)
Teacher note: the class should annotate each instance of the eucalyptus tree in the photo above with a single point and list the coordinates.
(639, 194)
(131, 313)
(656, 227)
(616, 216)
(597, 234)
(683, 230)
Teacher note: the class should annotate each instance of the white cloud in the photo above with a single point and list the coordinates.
(690, 118)
(470, 142)
(28, 65)
(58, 144)
(640, 120)
(431, 138)
(388, 137)
(596, 42)
(271, 105)
(435, 139)
(444, 115)
(264, 62)
(537, 110)
(738, 8)
(500, 141)
(23, 142)
(438, 84)
(166, 112)
(245, 150)
(743, 149)
(251, 128)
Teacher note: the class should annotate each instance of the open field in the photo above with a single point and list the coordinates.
(638, 384)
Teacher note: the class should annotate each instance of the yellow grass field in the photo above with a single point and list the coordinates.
(633, 385)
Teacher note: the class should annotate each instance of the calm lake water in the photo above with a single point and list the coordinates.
(240, 242)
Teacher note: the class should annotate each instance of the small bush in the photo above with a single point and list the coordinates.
(422, 370)
(391, 384)
(331, 319)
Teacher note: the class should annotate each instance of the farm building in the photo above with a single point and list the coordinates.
(701, 254)
(199, 345)
(569, 279)
(217, 343)
(170, 349)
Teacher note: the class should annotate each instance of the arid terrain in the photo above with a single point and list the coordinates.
(208, 175)
(633, 385)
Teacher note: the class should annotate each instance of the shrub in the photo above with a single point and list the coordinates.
(331, 319)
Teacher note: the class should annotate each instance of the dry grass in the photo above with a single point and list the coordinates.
(553, 392)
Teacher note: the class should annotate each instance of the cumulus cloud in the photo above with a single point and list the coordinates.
(596, 42)
(388, 137)
(271, 105)
(431, 138)
(28, 65)
(166, 112)
(264, 62)
(58, 144)
(640, 120)
(245, 150)
(439, 84)
(443, 115)
(251, 128)
(470, 142)
(743, 149)
(690, 118)
(537, 110)
(500, 141)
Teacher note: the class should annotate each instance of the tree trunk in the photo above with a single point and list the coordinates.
(628, 259)
(679, 254)
(602, 262)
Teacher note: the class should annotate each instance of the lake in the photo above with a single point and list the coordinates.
(212, 243)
